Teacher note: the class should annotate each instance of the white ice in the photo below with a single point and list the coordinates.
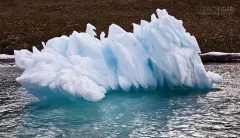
(5, 56)
(158, 54)
(220, 54)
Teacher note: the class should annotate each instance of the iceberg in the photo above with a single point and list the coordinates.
(157, 55)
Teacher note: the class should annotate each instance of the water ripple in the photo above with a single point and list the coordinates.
(213, 114)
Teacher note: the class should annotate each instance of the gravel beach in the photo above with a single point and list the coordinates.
(26, 23)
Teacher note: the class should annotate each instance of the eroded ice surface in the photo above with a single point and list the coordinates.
(158, 54)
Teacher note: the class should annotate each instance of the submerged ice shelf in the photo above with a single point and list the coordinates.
(158, 54)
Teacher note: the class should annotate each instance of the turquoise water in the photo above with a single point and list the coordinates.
(125, 114)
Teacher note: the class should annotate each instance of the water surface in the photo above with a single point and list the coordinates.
(212, 114)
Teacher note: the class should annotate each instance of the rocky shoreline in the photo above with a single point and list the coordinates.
(26, 23)
(220, 57)
(6, 60)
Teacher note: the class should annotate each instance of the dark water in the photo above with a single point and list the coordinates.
(213, 114)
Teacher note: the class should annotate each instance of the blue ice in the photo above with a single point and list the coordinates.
(158, 54)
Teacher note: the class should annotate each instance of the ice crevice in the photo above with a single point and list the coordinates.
(157, 54)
